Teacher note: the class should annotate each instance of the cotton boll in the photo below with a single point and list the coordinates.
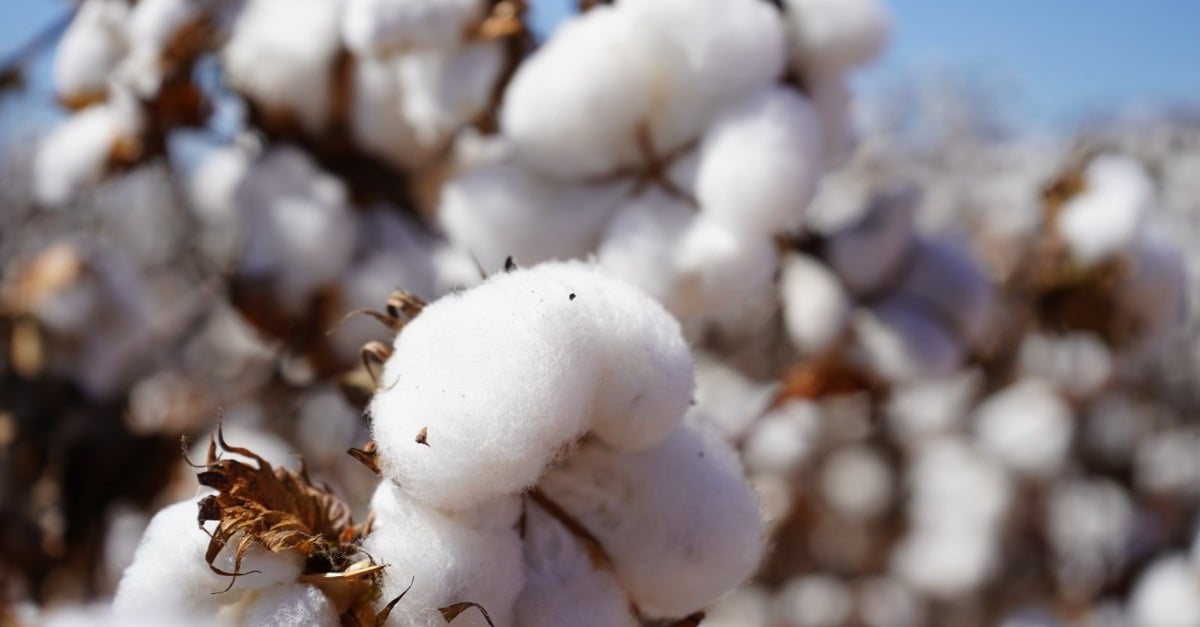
(866, 254)
(1165, 595)
(579, 124)
(371, 27)
(1107, 216)
(376, 122)
(727, 401)
(562, 585)
(292, 605)
(857, 482)
(945, 563)
(901, 341)
(502, 209)
(153, 27)
(719, 270)
(945, 277)
(474, 555)
(441, 92)
(1080, 363)
(90, 48)
(759, 163)
(653, 513)
(638, 243)
(929, 406)
(954, 486)
(815, 305)
(1028, 426)
(832, 100)
(815, 601)
(77, 152)
(498, 377)
(281, 55)
(781, 441)
(1168, 462)
(833, 36)
(1089, 524)
(211, 185)
(887, 602)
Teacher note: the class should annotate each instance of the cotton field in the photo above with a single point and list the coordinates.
(406, 312)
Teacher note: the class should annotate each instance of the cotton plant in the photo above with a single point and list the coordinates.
(706, 156)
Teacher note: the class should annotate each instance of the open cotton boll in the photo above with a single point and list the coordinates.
(281, 55)
(924, 407)
(727, 401)
(646, 380)
(815, 305)
(638, 243)
(299, 231)
(902, 341)
(1028, 426)
(502, 208)
(833, 36)
(719, 270)
(857, 482)
(292, 605)
(77, 152)
(759, 163)
(574, 124)
(781, 441)
(441, 92)
(562, 585)
(373, 27)
(1079, 363)
(90, 48)
(869, 252)
(814, 601)
(953, 485)
(1165, 594)
(153, 27)
(499, 378)
(654, 513)
(376, 122)
(945, 277)
(473, 556)
(945, 563)
(1168, 462)
(1089, 523)
(1107, 216)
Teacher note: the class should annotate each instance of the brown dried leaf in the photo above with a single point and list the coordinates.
(822, 378)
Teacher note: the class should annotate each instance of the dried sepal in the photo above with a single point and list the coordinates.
(363, 615)
(368, 456)
(451, 612)
(823, 378)
(596, 553)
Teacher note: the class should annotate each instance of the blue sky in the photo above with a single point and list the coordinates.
(1064, 59)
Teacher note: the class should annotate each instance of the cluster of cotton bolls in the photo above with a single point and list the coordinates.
(696, 136)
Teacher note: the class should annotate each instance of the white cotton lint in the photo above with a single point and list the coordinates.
(638, 243)
(501, 208)
(281, 55)
(782, 440)
(856, 481)
(759, 163)
(470, 556)
(870, 251)
(153, 27)
(377, 122)
(727, 401)
(719, 270)
(814, 601)
(1165, 594)
(76, 153)
(944, 276)
(374, 27)
(833, 36)
(928, 406)
(1106, 218)
(1089, 523)
(902, 341)
(815, 305)
(945, 563)
(90, 49)
(562, 584)
(679, 522)
(954, 485)
(442, 92)
(1168, 462)
(291, 605)
(1028, 425)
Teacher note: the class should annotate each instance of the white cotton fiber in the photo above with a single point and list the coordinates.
(1028, 426)
(782, 439)
(473, 556)
(726, 400)
(814, 601)
(833, 101)
(719, 270)
(291, 605)
(376, 122)
(919, 409)
(76, 153)
(153, 26)
(1165, 594)
(944, 277)
(442, 92)
(857, 482)
(281, 55)
(759, 163)
(90, 48)
(869, 252)
(679, 522)
(833, 36)
(501, 208)
(815, 305)
(562, 584)
(901, 340)
(372, 27)
(945, 563)
(1106, 218)
(638, 243)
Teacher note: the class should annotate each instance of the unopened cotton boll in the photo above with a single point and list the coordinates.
(281, 55)
(77, 152)
(89, 50)
(292, 605)
(562, 584)
(654, 514)
(901, 340)
(1028, 426)
(815, 305)
(1165, 594)
(867, 253)
(371, 27)
(833, 36)
(759, 163)
(441, 92)
(471, 556)
(1108, 215)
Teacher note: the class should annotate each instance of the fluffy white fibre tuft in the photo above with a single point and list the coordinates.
(153, 24)
(292, 605)
(656, 514)
(474, 556)
(1165, 594)
(76, 153)
(441, 92)
(815, 305)
(372, 27)
(638, 242)
(759, 163)
(833, 36)
(1106, 218)
(902, 341)
(1028, 426)
(90, 49)
(281, 55)
(376, 120)
(719, 270)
